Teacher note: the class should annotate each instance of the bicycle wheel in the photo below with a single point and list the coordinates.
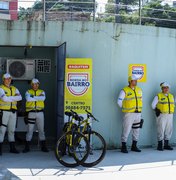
(97, 149)
(72, 149)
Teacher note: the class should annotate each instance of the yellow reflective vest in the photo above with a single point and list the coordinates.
(34, 105)
(166, 103)
(9, 91)
(133, 100)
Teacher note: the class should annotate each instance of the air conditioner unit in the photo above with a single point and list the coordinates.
(21, 69)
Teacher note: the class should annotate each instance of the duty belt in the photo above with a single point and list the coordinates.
(9, 110)
(36, 111)
(136, 111)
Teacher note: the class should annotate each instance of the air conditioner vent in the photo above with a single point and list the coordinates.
(17, 69)
(21, 69)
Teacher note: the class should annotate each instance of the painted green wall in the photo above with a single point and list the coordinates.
(112, 47)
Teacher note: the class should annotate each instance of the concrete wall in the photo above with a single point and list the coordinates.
(112, 47)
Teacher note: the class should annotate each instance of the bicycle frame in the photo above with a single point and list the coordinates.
(82, 126)
(69, 139)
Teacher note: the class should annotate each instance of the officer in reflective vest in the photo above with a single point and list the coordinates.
(130, 101)
(35, 98)
(163, 104)
(9, 95)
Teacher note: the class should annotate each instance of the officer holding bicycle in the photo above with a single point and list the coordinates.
(130, 101)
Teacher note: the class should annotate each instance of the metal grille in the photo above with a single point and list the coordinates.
(43, 65)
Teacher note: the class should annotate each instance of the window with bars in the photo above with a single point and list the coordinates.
(4, 5)
(43, 65)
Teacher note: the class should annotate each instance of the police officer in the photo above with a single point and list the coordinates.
(163, 104)
(9, 95)
(130, 100)
(35, 98)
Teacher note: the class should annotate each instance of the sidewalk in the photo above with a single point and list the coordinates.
(148, 164)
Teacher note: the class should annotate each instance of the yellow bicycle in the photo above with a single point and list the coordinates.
(72, 148)
(96, 141)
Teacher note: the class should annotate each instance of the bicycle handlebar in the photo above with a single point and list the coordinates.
(89, 113)
(76, 116)
(73, 112)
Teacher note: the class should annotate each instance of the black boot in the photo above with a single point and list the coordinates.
(167, 146)
(43, 146)
(124, 148)
(13, 149)
(160, 146)
(134, 147)
(0, 149)
(27, 147)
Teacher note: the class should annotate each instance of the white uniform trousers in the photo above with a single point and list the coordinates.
(38, 119)
(164, 124)
(128, 120)
(9, 122)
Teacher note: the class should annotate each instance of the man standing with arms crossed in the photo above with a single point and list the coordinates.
(163, 104)
(35, 98)
(130, 100)
(9, 95)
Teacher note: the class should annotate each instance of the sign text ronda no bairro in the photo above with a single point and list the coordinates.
(78, 85)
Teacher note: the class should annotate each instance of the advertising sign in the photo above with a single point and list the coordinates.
(78, 85)
(139, 70)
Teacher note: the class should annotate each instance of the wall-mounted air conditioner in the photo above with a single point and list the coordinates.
(21, 69)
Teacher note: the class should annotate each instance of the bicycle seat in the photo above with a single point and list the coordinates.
(67, 113)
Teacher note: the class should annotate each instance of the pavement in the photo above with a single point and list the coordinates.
(37, 165)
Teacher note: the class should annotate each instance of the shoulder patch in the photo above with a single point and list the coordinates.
(129, 94)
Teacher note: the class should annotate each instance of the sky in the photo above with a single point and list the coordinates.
(29, 3)
(25, 4)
